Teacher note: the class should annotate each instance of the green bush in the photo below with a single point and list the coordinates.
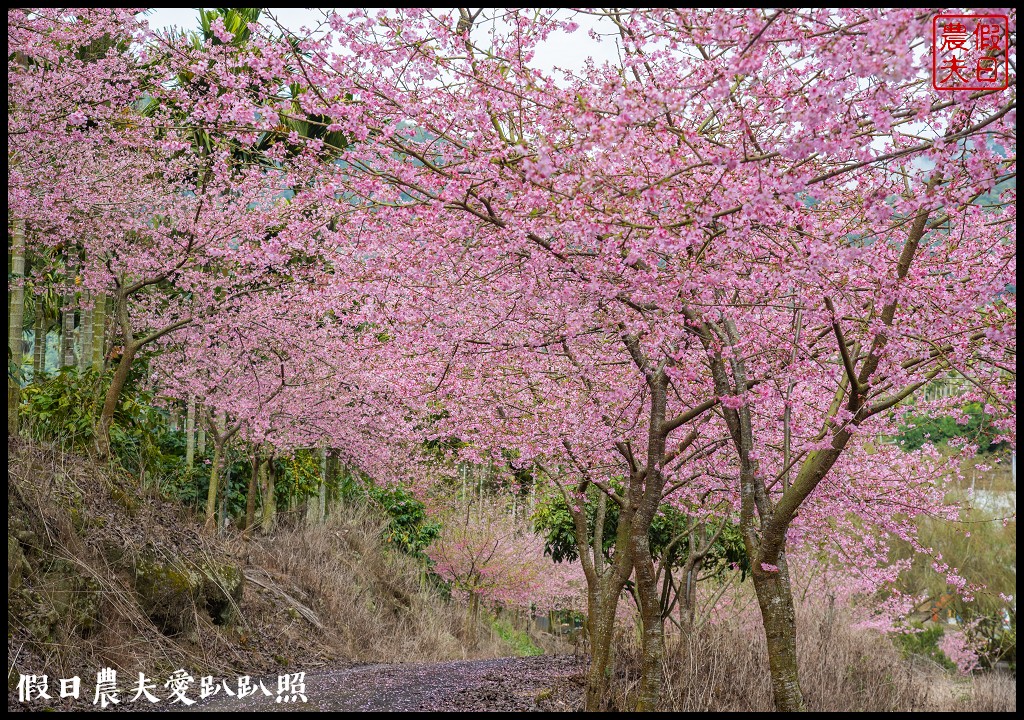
(64, 408)
(409, 529)
(298, 475)
(925, 643)
(518, 640)
(938, 430)
(553, 519)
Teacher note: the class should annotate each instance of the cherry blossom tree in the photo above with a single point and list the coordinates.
(174, 192)
(741, 207)
(490, 558)
(709, 275)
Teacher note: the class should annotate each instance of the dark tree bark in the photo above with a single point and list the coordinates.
(250, 493)
(131, 348)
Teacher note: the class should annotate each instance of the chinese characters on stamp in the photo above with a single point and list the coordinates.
(969, 52)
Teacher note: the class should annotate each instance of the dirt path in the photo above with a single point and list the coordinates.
(505, 684)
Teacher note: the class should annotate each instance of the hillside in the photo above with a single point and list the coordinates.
(100, 574)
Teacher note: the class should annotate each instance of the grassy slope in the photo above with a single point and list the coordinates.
(329, 595)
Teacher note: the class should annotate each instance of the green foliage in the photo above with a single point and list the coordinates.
(727, 550)
(236, 473)
(187, 486)
(14, 373)
(236, 21)
(925, 643)
(139, 435)
(553, 519)
(518, 640)
(409, 529)
(63, 407)
(298, 476)
(938, 430)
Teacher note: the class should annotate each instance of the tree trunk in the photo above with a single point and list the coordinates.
(201, 439)
(687, 594)
(601, 629)
(472, 619)
(99, 333)
(315, 505)
(269, 511)
(250, 493)
(686, 613)
(604, 585)
(190, 432)
(222, 493)
(16, 318)
(120, 379)
(648, 497)
(211, 494)
(218, 453)
(603, 602)
(333, 474)
(39, 344)
(653, 637)
(67, 331)
(85, 336)
(322, 496)
(775, 598)
(760, 527)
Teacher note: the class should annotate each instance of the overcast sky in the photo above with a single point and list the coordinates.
(559, 50)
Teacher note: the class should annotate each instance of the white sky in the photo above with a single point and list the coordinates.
(559, 50)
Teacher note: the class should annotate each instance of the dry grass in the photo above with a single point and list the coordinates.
(993, 692)
(377, 606)
(69, 610)
(724, 668)
(73, 530)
